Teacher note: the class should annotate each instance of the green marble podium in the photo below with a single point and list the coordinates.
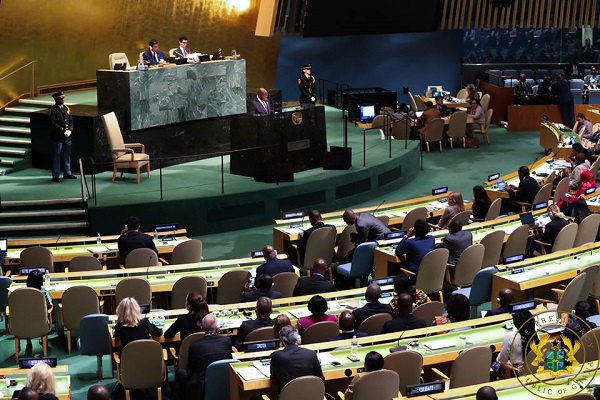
(172, 94)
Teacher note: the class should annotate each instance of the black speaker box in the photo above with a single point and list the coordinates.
(338, 158)
(273, 172)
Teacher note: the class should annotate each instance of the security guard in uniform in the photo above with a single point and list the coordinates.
(60, 136)
(307, 86)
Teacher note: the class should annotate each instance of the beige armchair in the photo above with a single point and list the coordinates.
(118, 58)
(123, 154)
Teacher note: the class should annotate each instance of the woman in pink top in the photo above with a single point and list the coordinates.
(317, 305)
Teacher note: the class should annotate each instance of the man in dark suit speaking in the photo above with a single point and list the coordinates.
(261, 104)
(293, 362)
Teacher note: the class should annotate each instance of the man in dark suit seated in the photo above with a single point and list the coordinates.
(574, 70)
(131, 238)
(262, 288)
(317, 283)
(505, 297)
(182, 51)
(263, 309)
(439, 104)
(261, 104)
(346, 323)
(405, 320)
(486, 393)
(273, 265)
(153, 56)
(373, 306)
(456, 241)
(202, 353)
(293, 362)
(415, 245)
(528, 188)
(315, 220)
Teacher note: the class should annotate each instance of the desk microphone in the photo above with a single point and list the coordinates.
(531, 166)
(398, 347)
(56, 244)
(148, 268)
(380, 204)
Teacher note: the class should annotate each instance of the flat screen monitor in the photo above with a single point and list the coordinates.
(436, 90)
(166, 227)
(493, 177)
(539, 206)
(393, 235)
(440, 190)
(367, 112)
(3, 244)
(26, 271)
(263, 345)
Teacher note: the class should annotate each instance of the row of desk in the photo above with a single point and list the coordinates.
(63, 382)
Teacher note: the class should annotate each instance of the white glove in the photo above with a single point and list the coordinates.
(312, 99)
(67, 133)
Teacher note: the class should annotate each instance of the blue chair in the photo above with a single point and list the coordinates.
(576, 84)
(217, 374)
(481, 290)
(528, 73)
(94, 339)
(362, 262)
(540, 74)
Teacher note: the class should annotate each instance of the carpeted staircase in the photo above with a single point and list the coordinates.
(15, 134)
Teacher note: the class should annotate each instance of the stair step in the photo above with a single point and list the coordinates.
(38, 102)
(5, 140)
(5, 170)
(33, 227)
(43, 202)
(12, 151)
(15, 129)
(12, 119)
(23, 110)
(55, 213)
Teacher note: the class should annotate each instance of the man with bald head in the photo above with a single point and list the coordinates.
(506, 297)
(212, 347)
(317, 282)
(273, 265)
(368, 229)
(27, 394)
(486, 393)
(261, 104)
(405, 320)
(373, 306)
(346, 323)
(315, 220)
(263, 309)
(98, 392)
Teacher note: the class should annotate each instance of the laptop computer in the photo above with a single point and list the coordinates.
(527, 219)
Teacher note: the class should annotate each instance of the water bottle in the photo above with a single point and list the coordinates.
(353, 347)
(155, 234)
(104, 257)
(47, 279)
(98, 239)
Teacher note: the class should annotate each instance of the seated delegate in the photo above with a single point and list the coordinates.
(153, 55)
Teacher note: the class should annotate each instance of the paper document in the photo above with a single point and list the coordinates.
(250, 373)
(302, 312)
(326, 358)
(263, 366)
(440, 344)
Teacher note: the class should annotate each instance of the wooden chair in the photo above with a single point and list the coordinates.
(587, 232)
(123, 154)
(320, 244)
(373, 324)
(381, 385)
(492, 242)
(29, 317)
(407, 364)
(542, 196)
(434, 132)
(483, 128)
(564, 239)
(432, 269)
(469, 263)
(320, 332)
(117, 58)
(231, 285)
(401, 130)
(185, 285)
(493, 212)
(561, 188)
(141, 365)
(428, 311)
(457, 127)
(180, 358)
(35, 257)
(284, 283)
(412, 216)
(516, 242)
(471, 367)
(344, 244)
(384, 124)
(485, 102)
